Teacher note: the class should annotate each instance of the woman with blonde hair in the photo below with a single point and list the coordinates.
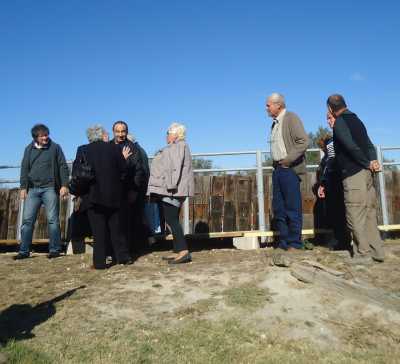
(171, 182)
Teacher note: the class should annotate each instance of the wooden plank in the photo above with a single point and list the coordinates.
(254, 225)
(395, 198)
(224, 234)
(267, 179)
(4, 202)
(229, 211)
(201, 202)
(217, 203)
(13, 207)
(243, 203)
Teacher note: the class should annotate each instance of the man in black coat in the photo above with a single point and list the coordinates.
(105, 196)
(135, 187)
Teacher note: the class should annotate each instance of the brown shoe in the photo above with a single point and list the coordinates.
(169, 257)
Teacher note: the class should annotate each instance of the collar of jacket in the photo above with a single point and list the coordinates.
(35, 145)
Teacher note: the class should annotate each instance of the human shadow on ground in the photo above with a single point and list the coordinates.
(17, 321)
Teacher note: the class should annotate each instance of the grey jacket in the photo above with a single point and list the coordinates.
(296, 142)
(171, 171)
(59, 167)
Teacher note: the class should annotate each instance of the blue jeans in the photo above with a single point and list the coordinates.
(49, 198)
(286, 204)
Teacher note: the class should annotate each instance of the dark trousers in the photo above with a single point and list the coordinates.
(171, 215)
(133, 225)
(336, 213)
(286, 204)
(105, 226)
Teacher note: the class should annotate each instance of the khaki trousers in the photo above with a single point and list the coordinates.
(360, 201)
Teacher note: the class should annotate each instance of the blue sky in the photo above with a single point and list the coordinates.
(209, 64)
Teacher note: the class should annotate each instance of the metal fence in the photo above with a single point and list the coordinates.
(259, 167)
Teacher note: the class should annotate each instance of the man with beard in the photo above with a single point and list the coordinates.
(135, 187)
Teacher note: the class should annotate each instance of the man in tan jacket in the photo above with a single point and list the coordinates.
(289, 143)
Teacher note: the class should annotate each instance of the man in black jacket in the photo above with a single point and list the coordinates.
(135, 187)
(44, 177)
(356, 160)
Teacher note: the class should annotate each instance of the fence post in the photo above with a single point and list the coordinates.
(382, 187)
(260, 191)
(186, 225)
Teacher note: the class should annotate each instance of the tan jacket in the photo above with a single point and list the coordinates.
(296, 142)
(171, 171)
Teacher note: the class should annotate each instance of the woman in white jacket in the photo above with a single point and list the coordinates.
(171, 182)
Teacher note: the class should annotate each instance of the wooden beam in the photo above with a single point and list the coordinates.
(216, 235)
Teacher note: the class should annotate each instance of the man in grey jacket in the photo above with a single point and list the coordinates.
(289, 143)
(44, 177)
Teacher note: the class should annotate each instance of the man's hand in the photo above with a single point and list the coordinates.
(22, 194)
(374, 166)
(64, 192)
(284, 163)
(126, 152)
(321, 192)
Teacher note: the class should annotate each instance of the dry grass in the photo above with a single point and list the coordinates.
(206, 312)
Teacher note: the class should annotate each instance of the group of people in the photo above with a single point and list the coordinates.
(121, 181)
(112, 181)
(350, 164)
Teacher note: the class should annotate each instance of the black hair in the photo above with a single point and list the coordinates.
(120, 122)
(336, 102)
(39, 129)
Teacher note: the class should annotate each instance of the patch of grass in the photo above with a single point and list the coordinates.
(247, 296)
(18, 353)
(198, 308)
(368, 333)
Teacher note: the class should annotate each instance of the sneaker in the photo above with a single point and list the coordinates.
(378, 259)
(53, 255)
(361, 259)
(20, 256)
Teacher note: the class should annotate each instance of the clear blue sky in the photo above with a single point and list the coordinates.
(209, 64)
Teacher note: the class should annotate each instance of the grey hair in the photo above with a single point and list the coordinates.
(177, 129)
(277, 98)
(95, 133)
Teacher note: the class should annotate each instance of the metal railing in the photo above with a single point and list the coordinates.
(258, 168)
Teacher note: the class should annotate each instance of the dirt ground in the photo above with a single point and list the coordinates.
(226, 306)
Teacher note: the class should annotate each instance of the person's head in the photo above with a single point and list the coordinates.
(322, 142)
(331, 119)
(106, 137)
(176, 132)
(40, 134)
(336, 104)
(96, 133)
(275, 104)
(120, 131)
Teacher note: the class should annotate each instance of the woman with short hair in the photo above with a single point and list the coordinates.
(171, 182)
(104, 195)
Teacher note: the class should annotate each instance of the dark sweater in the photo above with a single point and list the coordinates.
(44, 167)
(353, 148)
(138, 170)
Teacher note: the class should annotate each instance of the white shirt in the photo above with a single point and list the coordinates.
(278, 148)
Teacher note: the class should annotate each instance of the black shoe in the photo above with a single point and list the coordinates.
(185, 259)
(53, 255)
(20, 256)
(127, 262)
